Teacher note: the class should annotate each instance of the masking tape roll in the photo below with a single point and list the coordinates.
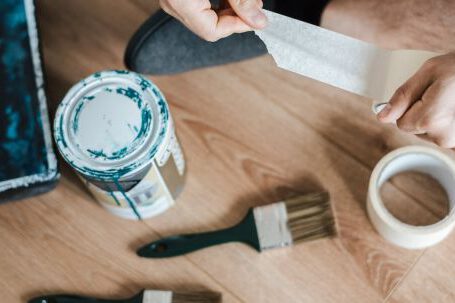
(411, 158)
(338, 60)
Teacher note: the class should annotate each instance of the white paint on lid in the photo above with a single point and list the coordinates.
(107, 123)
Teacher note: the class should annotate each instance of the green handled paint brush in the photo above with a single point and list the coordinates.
(145, 296)
(299, 219)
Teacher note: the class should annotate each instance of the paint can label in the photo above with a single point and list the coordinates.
(157, 191)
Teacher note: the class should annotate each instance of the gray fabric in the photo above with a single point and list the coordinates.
(172, 48)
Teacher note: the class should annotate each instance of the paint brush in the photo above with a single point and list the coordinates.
(145, 296)
(299, 219)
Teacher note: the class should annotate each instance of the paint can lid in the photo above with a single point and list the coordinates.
(111, 124)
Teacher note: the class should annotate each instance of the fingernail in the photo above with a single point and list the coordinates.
(385, 111)
(258, 18)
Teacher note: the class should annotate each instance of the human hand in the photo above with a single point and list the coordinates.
(234, 16)
(425, 104)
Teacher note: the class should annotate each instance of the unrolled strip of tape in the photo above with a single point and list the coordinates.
(339, 60)
(411, 158)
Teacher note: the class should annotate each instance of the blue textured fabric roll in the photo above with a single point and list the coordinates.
(27, 162)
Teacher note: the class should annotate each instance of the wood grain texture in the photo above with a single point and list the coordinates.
(415, 24)
(431, 279)
(252, 134)
(431, 207)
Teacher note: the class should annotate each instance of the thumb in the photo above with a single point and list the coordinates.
(250, 12)
(407, 94)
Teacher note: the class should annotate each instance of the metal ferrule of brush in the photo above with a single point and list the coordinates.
(157, 296)
(271, 224)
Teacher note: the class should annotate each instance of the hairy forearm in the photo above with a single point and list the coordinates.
(417, 24)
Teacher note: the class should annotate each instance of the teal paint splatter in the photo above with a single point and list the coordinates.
(133, 128)
(97, 75)
(156, 92)
(16, 149)
(115, 199)
(118, 154)
(76, 116)
(30, 116)
(61, 137)
(121, 72)
(144, 84)
(132, 94)
(12, 129)
(131, 203)
(96, 153)
(145, 125)
(88, 98)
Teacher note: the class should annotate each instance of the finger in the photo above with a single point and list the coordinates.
(184, 11)
(165, 6)
(425, 137)
(224, 4)
(250, 12)
(440, 132)
(410, 121)
(432, 114)
(445, 138)
(407, 94)
(226, 12)
(212, 27)
(204, 22)
(229, 24)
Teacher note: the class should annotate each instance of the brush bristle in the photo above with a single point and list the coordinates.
(196, 297)
(310, 217)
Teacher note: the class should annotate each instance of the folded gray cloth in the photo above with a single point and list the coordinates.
(163, 45)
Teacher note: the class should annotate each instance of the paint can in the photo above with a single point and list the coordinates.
(115, 129)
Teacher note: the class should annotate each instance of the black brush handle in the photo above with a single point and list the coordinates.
(79, 299)
(174, 246)
(69, 299)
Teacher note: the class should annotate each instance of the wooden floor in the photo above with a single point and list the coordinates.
(251, 134)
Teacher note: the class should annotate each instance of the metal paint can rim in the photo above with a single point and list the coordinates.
(137, 153)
